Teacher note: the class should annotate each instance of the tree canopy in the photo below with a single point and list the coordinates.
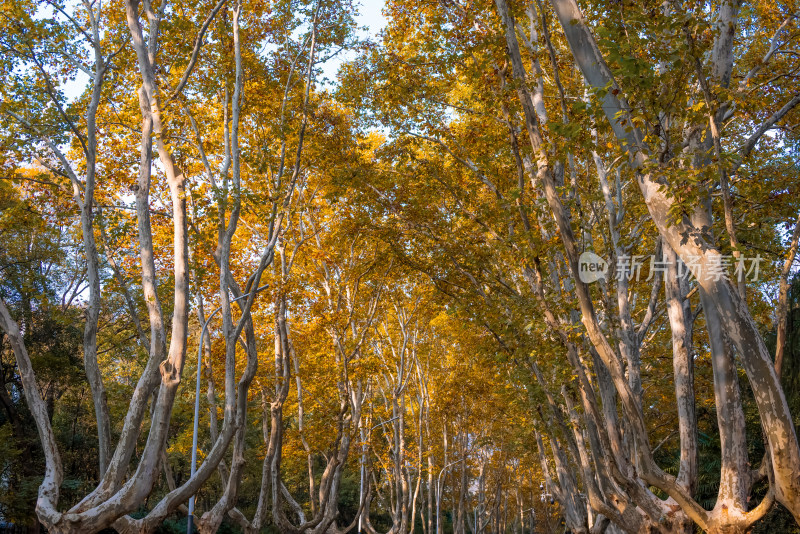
(517, 266)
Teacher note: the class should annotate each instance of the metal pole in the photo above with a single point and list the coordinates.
(190, 519)
(439, 494)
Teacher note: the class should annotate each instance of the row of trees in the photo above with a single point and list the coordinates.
(421, 385)
(629, 134)
(406, 338)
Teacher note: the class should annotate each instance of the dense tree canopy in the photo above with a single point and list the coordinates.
(519, 266)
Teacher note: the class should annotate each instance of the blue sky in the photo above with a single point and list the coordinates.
(369, 15)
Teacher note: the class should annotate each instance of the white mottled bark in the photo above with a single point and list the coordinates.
(688, 241)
